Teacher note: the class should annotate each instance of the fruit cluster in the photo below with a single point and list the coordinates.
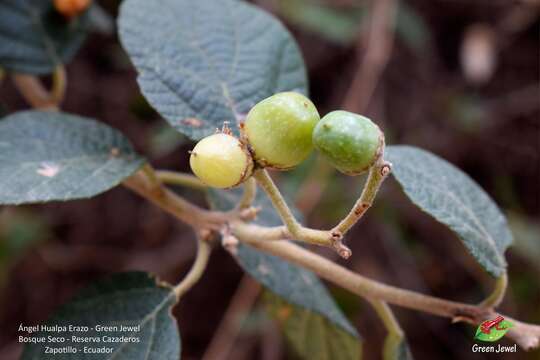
(279, 133)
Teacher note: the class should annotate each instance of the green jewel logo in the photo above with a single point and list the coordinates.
(493, 330)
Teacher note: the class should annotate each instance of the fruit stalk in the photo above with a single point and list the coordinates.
(285, 213)
(294, 230)
(180, 179)
(377, 174)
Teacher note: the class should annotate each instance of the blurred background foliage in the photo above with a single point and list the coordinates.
(459, 78)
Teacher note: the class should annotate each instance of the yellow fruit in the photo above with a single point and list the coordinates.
(221, 161)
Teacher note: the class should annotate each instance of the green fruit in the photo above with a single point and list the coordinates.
(352, 143)
(221, 161)
(279, 130)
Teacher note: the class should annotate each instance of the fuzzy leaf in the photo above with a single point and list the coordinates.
(126, 299)
(454, 199)
(34, 38)
(47, 156)
(204, 62)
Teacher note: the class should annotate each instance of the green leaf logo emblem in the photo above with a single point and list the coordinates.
(493, 330)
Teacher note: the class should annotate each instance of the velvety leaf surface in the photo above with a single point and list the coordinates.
(34, 38)
(204, 62)
(292, 284)
(126, 299)
(46, 156)
(454, 199)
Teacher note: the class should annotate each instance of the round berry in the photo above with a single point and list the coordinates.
(71, 8)
(221, 161)
(351, 142)
(279, 130)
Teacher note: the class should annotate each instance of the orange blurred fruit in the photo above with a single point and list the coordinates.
(71, 8)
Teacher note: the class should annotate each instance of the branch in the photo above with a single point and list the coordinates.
(387, 317)
(197, 269)
(395, 334)
(174, 204)
(35, 93)
(59, 85)
(527, 335)
(294, 230)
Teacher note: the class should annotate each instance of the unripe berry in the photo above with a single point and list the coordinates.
(71, 8)
(221, 161)
(351, 142)
(279, 130)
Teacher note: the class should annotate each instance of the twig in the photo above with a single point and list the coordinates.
(197, 269)
(394, 334)
(174, 204)
(526, 335)
(363, 286)
(59, 85)
(181, 179)
(377, 174)
(293, 227)
(387, 317)
(227, 331)
(378, 47)
(333, 237)
(250, 192)
(35, 93)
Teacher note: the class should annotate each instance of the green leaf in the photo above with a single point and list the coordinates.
(337, 25)
(47, 156)
(344, 25)
(454, 199)
(396, 348)
(311, 335)
(126, 299)
(204, 62)
(411, 28)
(20, 229)
(296, 286)
(34, 38)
